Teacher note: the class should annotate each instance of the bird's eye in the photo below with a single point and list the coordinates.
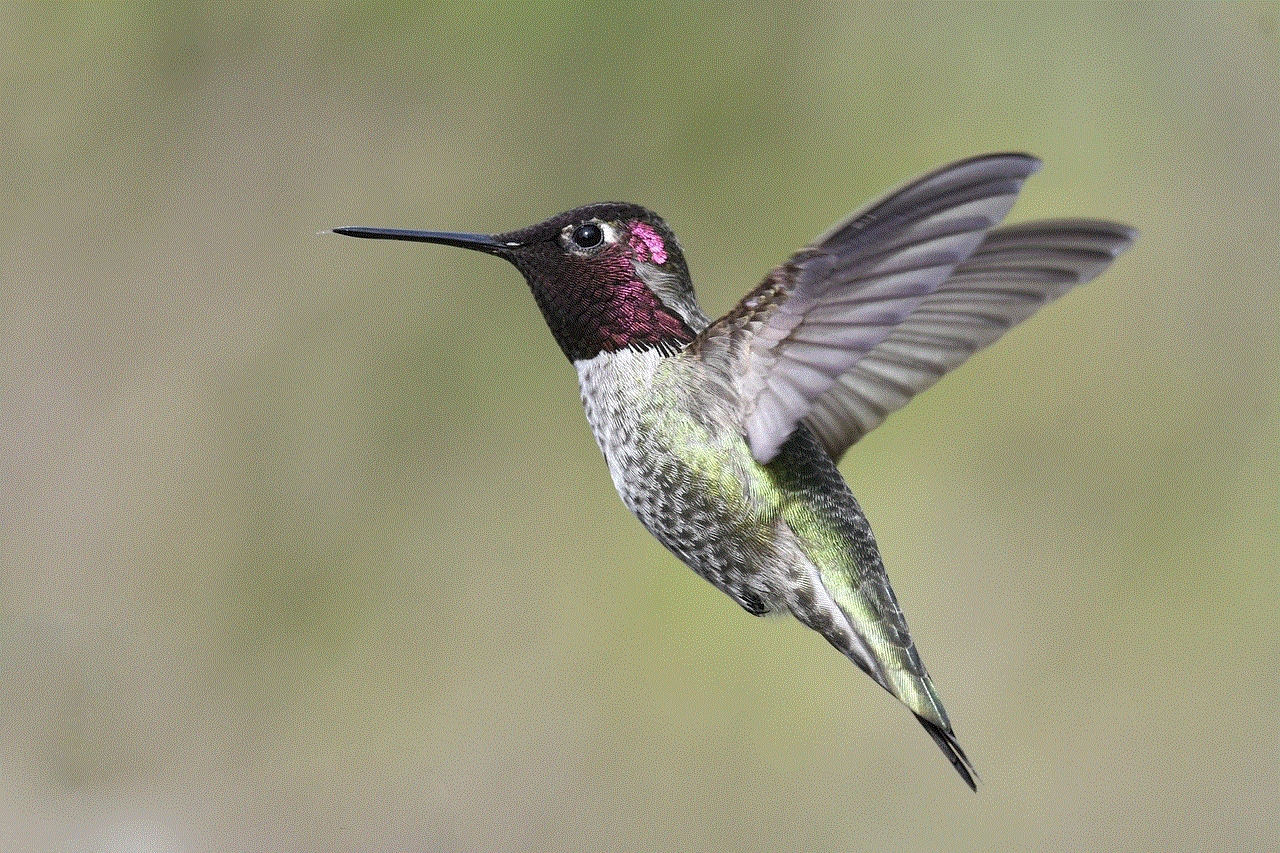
(588, 236)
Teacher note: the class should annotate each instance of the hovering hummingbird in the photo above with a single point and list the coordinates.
(722, 437)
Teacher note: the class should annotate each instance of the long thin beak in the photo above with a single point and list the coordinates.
(478, 242)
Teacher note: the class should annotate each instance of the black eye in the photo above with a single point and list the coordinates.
(588, 236)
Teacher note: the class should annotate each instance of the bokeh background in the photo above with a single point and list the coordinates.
(307, 546)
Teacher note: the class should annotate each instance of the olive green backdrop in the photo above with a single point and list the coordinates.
(306, 544)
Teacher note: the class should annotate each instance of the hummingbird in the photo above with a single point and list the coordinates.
(722, 436)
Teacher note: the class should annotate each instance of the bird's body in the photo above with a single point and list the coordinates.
(784, 537)
(722, 437)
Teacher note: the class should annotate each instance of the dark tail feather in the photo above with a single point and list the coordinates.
(946, 741)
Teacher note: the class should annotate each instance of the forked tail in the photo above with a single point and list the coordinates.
(946, 741)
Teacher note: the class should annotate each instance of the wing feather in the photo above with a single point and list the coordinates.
(794, 339)
(1013, 273)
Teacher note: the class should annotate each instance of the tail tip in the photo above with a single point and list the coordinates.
(946, 740)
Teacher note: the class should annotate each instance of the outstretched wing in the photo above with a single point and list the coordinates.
(1013, 273)
(790, 340)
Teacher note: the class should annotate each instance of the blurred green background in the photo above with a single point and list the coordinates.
(306, 543)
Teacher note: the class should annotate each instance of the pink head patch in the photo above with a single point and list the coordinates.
(651, 240)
